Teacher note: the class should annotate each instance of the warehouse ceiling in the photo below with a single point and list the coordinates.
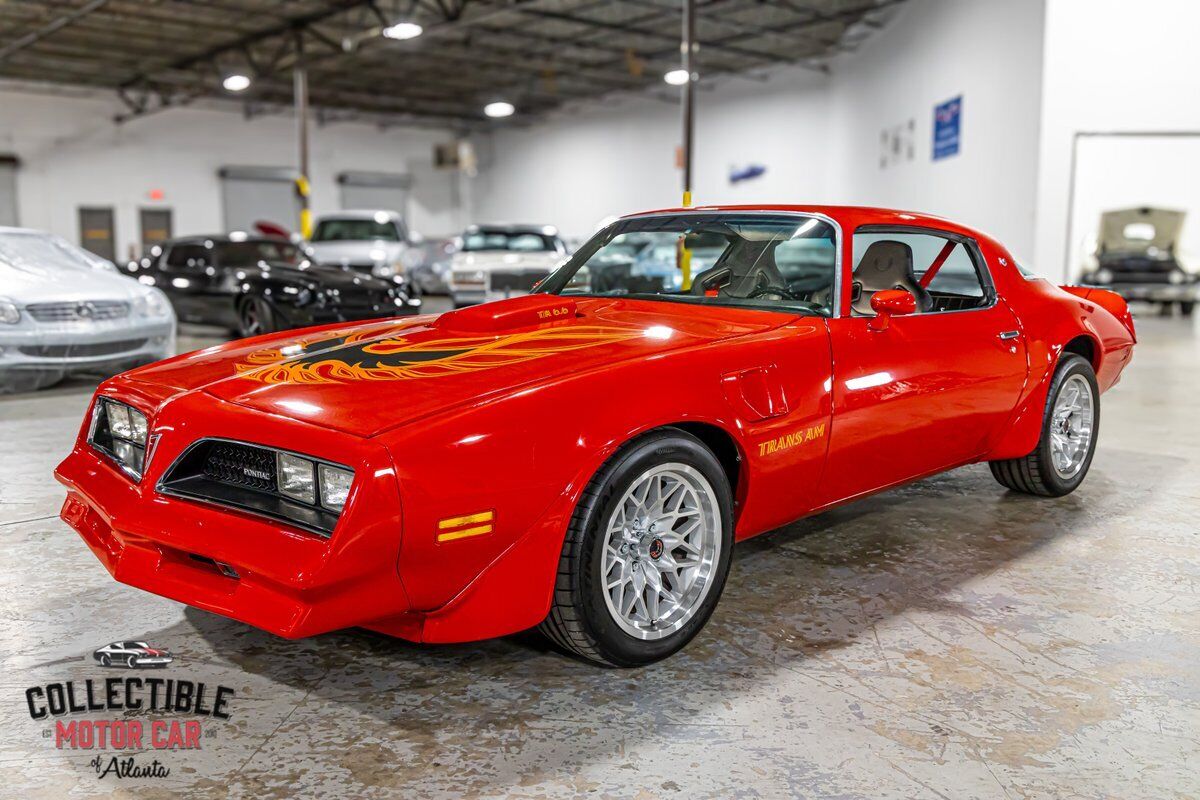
(535, 54)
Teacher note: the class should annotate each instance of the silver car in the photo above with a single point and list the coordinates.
(64, 310)
(373, 241)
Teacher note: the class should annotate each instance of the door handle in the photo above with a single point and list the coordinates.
(1009, 335)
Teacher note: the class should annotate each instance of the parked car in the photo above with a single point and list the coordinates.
(493, 262)
(259, 284)
(1137, 257)
(133, 655)
(585, 458)
(376, 242)
(64, 310)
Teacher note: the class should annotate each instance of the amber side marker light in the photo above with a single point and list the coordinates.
(462, 527)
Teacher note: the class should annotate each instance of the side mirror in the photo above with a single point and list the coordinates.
(889, 303)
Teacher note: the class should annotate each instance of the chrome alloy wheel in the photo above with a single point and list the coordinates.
(662, 545)
(1071, 424)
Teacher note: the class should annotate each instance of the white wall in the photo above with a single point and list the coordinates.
(987, 51)
(818, 136)
(1111, 65)
(576, 169)
(73, 155)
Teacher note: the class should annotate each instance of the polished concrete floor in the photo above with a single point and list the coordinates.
(944, 640)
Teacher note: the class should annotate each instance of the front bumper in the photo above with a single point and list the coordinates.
(325, 315)
(283, 580)
(152, 661)
(87, 345)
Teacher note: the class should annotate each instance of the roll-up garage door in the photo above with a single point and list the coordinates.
(375, 190)
(8, 191)
(259, 194)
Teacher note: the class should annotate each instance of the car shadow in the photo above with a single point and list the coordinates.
(796, 593)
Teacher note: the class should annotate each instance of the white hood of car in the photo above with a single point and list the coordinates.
(27, 284)
(505, 259)
(354, 252)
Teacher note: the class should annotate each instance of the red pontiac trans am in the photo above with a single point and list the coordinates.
(585, 457)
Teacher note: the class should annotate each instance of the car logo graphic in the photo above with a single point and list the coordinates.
(132, 655)
(85, 310)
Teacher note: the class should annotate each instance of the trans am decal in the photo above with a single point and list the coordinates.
(370, 355)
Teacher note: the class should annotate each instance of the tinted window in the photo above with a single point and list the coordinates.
(355, 230)
(501, 240)
(188, 256)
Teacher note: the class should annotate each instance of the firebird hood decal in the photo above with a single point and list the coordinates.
(345, 357)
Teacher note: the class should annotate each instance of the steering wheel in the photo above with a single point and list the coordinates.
(780, 291)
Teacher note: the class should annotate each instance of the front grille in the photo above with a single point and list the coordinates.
(243, 476)
(241, 465)
(82, 350)
(516, 281)
(98, 310)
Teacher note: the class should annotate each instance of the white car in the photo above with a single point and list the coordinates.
(64, 310)
(373, 241)
(493, 262)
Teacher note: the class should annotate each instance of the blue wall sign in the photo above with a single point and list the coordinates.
(746, 173)
(947, 128)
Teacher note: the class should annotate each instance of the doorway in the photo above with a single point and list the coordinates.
(96, 231)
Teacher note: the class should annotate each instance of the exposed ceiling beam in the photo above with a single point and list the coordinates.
(49, 29)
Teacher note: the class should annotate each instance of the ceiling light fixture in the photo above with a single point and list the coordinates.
(677, 77)
(498, 109)
(236, 83)
(403, 30)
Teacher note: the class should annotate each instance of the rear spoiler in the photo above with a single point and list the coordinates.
(1111, 302)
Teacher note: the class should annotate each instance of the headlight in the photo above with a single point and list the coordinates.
(335, 486)
(152, 304)
(294, 475)
(1103, 276)
(119, 432)
(1177, 277)
(9, 313)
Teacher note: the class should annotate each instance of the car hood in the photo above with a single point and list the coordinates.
(369, 252)
(367, 378)
(1161, 227)
(30, 283)
(317, 275)
(503, 259)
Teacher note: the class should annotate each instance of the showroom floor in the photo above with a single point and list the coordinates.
(944, 640)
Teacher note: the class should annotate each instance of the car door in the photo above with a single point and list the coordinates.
(927, 391)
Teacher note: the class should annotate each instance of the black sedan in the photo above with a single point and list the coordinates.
(258, 284)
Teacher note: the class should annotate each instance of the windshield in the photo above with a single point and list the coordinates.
(245, 254)
(355, 230)
(44, 250)
(502, 240)
(781, 262)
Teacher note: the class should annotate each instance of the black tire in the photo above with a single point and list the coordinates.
(1187, 308)
(105, 661)
(255, 317)
(131, 662)
(579, 620)
(1035, 473)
